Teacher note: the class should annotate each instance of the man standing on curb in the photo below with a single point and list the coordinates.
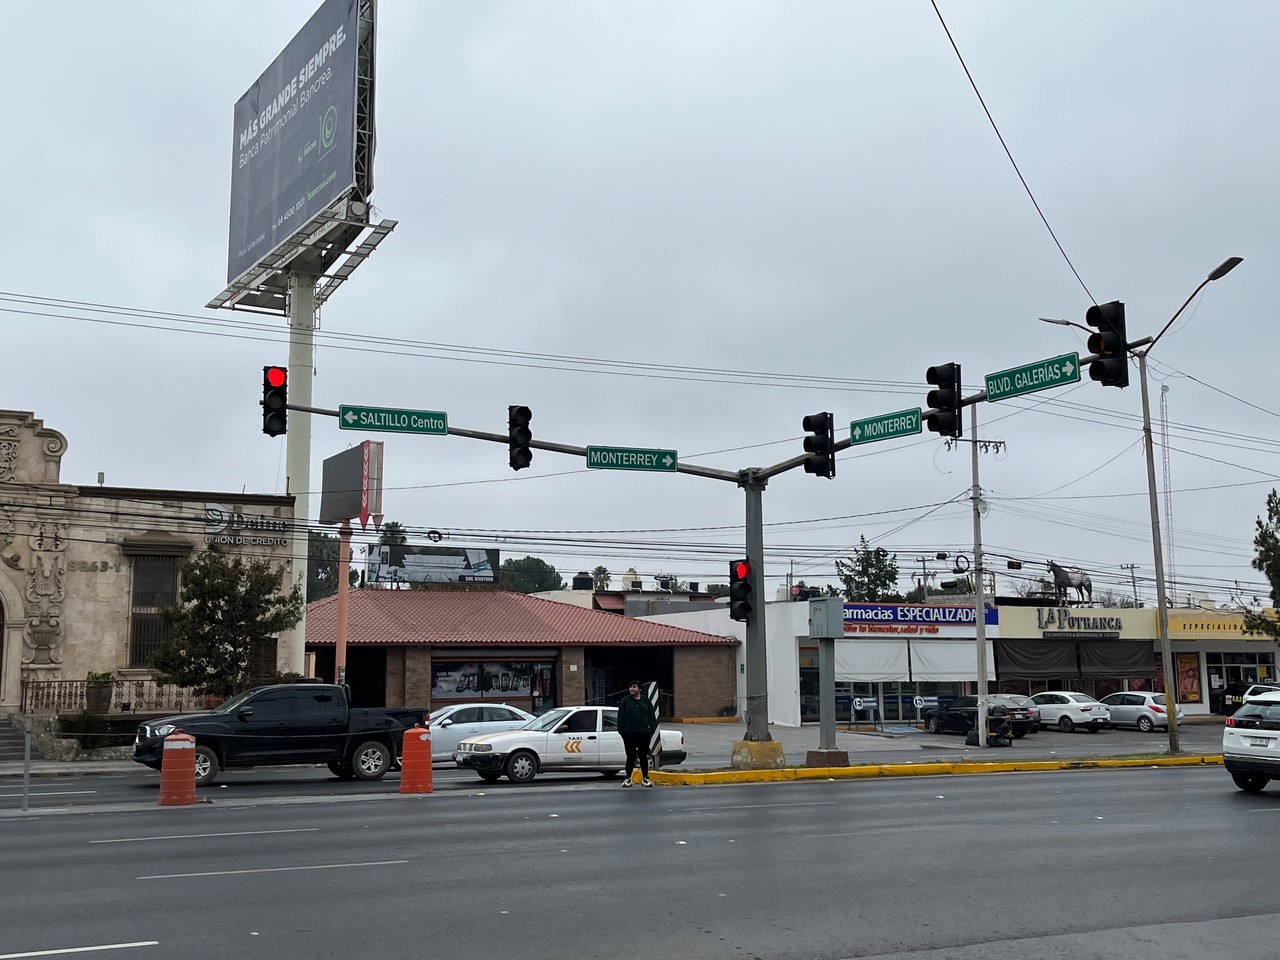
(636, 723)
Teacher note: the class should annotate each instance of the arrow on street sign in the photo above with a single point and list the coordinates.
(1033, 377)
(885, 427)
(632, 458)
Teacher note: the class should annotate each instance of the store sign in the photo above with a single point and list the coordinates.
(1065, 623)
(906, 619)
(225, 526)
(489, 679)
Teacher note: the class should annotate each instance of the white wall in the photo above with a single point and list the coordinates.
(784, 623)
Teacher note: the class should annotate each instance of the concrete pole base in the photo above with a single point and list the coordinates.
(757, 755)
(826, 758)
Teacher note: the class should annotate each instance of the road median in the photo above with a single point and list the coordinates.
(928, 769)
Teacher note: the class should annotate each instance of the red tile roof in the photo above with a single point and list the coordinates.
(488, 617)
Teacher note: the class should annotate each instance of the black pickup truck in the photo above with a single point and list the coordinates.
(286, 723)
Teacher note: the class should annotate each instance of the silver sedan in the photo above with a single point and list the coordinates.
(458, 721)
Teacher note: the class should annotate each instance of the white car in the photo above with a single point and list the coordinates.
(1251, 742)
(1067, 709)
(457, 721)
(565, 739)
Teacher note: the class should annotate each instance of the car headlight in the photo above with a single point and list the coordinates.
(482, 747)
(162, 730)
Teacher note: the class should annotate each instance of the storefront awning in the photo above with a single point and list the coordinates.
(1036, 659)
(1118, 659)
(871, 661)
(946, 661)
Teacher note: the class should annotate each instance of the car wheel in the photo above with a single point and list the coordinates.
(1250, 782)
(1019, 734)
(341, 769)
(489, 776)
(1065, 724)
(206, 765)
(522, 766)
(371, 760)
(932, 725)
(1145, 724)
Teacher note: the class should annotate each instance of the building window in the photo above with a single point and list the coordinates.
(155, 586)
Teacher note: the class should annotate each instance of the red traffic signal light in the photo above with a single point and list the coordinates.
(277, 376)
(741, 569)
(740, 590)
(275, 400)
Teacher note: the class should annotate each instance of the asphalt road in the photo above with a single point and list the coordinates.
(1168, 863)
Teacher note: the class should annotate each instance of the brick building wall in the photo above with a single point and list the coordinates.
(417, 676)
(571, 676)
(704, 681)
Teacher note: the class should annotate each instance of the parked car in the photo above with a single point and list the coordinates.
(958, 715)
(564, 739)
(1137, 708)
(458, 721)
(1251, 742)
(1067, 709)
(286, 723)
(1030, 705)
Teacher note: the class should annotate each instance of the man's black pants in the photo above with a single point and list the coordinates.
(637, 744)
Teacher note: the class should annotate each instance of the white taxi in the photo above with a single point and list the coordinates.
(565, 739)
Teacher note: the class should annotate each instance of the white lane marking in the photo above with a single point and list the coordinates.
(47, 793)
(66, 950)
(201, 836)
(232, 873)
(757, 806)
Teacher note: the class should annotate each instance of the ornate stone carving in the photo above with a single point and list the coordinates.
(8, 452)
(8, 526)
(46, 591)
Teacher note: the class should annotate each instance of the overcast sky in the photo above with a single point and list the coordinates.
(810, 191)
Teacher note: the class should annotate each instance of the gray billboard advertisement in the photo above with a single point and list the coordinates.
(403, 563)
(294, 143)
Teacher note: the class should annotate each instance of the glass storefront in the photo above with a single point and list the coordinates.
(526, 684)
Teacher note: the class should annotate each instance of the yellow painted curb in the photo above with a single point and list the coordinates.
(961, 767)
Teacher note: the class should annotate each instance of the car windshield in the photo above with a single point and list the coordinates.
(439, 714)
(1081, 698)
(548, 719)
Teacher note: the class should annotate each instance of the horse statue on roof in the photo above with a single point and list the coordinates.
(1068, 578)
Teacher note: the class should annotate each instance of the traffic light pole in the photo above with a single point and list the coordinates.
(757, 651)
(302, 352)
(979, 597)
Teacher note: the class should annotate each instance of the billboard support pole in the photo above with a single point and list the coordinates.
(340, 634)
(302, 350)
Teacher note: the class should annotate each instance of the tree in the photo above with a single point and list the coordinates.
(869, 575)
(322, 565)
(1266, 541)
(392, 534)
(226, 608)
(529, 575)
(601, 577)
(717, 590)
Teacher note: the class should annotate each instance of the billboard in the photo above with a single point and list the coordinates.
(351, 485)
(294, 143)
(402, 563)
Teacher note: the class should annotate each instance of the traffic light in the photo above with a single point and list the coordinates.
(740, 590)
(821, 444)
(1110, 343)
(275, 397)
(945, 400)
(518, 436)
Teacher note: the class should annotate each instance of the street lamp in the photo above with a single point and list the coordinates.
(1162, 606)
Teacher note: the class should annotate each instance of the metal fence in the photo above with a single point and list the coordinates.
(126, 696)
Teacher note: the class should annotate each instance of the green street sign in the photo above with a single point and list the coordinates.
(391, 420)
(632, 458)
(1033, 377)
(885, 427)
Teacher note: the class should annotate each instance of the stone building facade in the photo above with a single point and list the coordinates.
(85, 570)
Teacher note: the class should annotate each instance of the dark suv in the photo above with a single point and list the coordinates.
(1232, 696)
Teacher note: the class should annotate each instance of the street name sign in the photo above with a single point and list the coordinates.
(1033, 377)
(632, 458)
(392, 420)
(885, 427)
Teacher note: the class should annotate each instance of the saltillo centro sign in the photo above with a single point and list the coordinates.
(393, 420)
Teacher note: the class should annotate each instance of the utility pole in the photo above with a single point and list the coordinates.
(979, 598)
(757, 652)
(302, 358)
(1131, 567)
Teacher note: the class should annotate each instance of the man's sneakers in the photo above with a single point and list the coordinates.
(646, 782)
(626, 782)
